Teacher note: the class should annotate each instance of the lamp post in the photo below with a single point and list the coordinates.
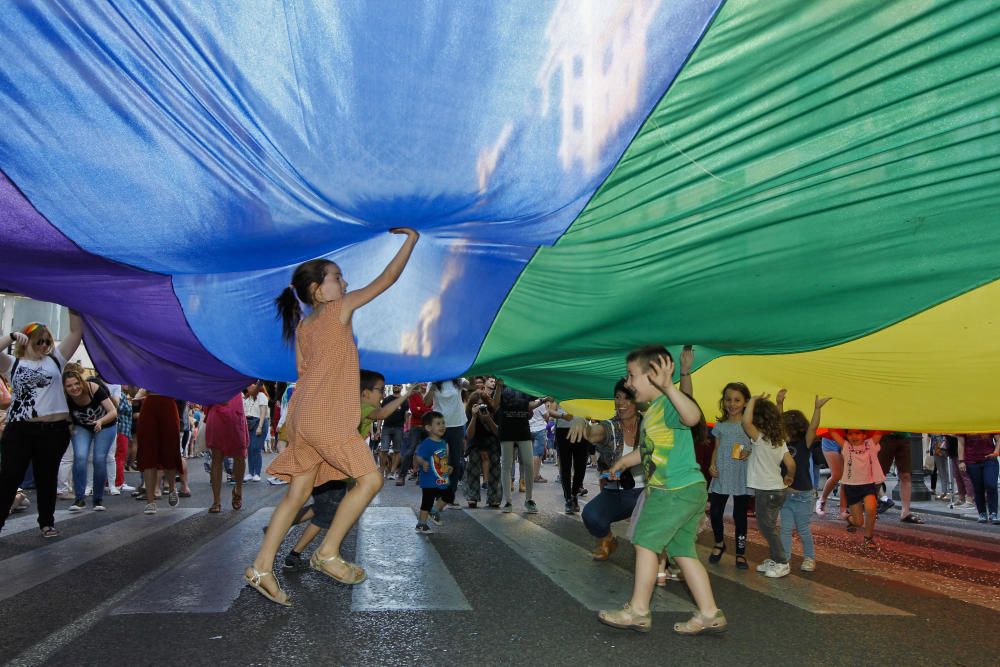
(919, 490)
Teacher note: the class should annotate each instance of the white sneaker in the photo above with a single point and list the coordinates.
(115, 491)
(150, 509)
(808, 565)
(248, 478)
(256, 478)
(274, 481)
(820, 508)
(766, 565)
(779, 570)
(126, 488)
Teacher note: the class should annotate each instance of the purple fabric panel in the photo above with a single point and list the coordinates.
(136, 332)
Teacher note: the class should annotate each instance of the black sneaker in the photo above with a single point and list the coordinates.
(576, 504)
(423, 529)
(98, 506)
(436, 518)
(569, 507)
(77, 506)
(883, 505)
(293, 561)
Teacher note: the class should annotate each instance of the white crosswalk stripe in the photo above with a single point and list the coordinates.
(29, 521)
(405, 570)
(29, 569)
(194, 586)
(594, 585)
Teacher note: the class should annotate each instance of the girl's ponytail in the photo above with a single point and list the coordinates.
(289, 312)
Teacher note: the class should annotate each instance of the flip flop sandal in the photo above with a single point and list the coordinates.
(237, 500)
(319, 564)
(254, 582)
(911, 518)
(50, 531)
(215, 509)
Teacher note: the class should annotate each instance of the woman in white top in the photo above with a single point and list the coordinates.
(37, 430)
(255, 408)
(447, 398)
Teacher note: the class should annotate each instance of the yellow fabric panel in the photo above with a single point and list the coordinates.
(935, 372)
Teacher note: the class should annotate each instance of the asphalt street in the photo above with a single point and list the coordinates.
(486, 588)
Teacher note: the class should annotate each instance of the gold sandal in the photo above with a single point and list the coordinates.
(699, 625)
(319, 564)
(254, 581)
(626, 619)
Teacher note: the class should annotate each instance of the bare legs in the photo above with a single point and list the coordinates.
(216, 477)
(150, 477)
(348, 513)
(647, 563)
(281, 520)
(869, 509)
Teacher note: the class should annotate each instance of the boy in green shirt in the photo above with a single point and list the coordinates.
(675, 495)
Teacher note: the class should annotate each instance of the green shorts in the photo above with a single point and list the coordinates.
(670, 520)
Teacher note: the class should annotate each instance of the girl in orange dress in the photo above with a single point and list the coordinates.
(323, 414)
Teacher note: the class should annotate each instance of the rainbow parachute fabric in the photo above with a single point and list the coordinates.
(808, 192)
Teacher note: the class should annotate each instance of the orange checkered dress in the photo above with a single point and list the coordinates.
(324, 411)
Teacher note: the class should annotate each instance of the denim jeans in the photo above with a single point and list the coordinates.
(797, 513)
(984, 481)
(769, 504)
(255, 452)
(455, 437)
(102, 442)
(607, 507)
(413, 439)
(538, 439)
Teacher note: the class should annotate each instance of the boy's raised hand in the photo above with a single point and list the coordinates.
(821, 401)
(780, 398)
(661, 372)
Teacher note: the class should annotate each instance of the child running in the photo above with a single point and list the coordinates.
(729, 472)
(763, 423)
(862, 476)
(675, 496)
(324, 414)
(797, 511)
(327, 497)
(432, 460)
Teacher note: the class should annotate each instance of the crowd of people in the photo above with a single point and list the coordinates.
(338, 436)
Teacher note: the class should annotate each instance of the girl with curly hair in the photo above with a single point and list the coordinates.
(763, 422)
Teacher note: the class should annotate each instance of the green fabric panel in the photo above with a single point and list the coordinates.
(818, 171)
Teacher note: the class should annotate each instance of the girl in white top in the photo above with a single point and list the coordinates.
(862, 476)
(763, 422)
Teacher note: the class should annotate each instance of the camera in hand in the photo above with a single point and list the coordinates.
(482, 408)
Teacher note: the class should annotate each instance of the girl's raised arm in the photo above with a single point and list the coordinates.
(70, 344)
(357, 298)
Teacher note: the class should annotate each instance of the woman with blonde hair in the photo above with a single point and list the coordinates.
(37, 430)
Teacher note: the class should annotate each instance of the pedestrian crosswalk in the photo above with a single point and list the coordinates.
(29, 521)
(407, 571)
(29, 569)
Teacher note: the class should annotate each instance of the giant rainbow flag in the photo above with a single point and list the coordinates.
(808, 192)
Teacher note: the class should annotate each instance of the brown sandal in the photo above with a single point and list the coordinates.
(237, 500)
(702, 625)
(215, 508)
(605, 547)
(626, 619)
